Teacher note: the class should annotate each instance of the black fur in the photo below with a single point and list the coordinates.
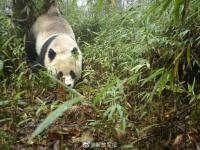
(51, 54)
(60, 75)
(30, 47)
(75, 51)
(72, 74)
(44, 49)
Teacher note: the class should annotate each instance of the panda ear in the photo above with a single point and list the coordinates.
(51, 54)
(74, 51)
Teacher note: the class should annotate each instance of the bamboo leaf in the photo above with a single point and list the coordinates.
(122, 128)
(177, 7)
(160, 84)
(100, 5)
(120, 110)
(189, 56)
(165, 6)
(153, 8)
(153, 76)
(109, 112)
(54, 115)
(9, 40)
(176, 68)
(180, 54)
(171, 79)
(185, 9)
(163, 81)
(1, 65)
(103, 91)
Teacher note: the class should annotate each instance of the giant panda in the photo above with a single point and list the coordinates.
(51, 42)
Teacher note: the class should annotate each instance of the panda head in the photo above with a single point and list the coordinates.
(64, 60)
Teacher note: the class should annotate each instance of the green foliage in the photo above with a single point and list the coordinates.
(1, 66)
(6, 139)
(54, 115)
(179, 9)
(141, 75)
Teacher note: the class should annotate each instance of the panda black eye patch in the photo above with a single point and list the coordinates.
(60, 74)
(75, 51)
(51, 54)
(72, 74)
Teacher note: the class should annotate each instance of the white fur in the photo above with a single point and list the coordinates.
(69, 81)
(41, 39)
(48, 25)
(64, 61)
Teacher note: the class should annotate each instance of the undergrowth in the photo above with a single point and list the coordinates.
(140, 87)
